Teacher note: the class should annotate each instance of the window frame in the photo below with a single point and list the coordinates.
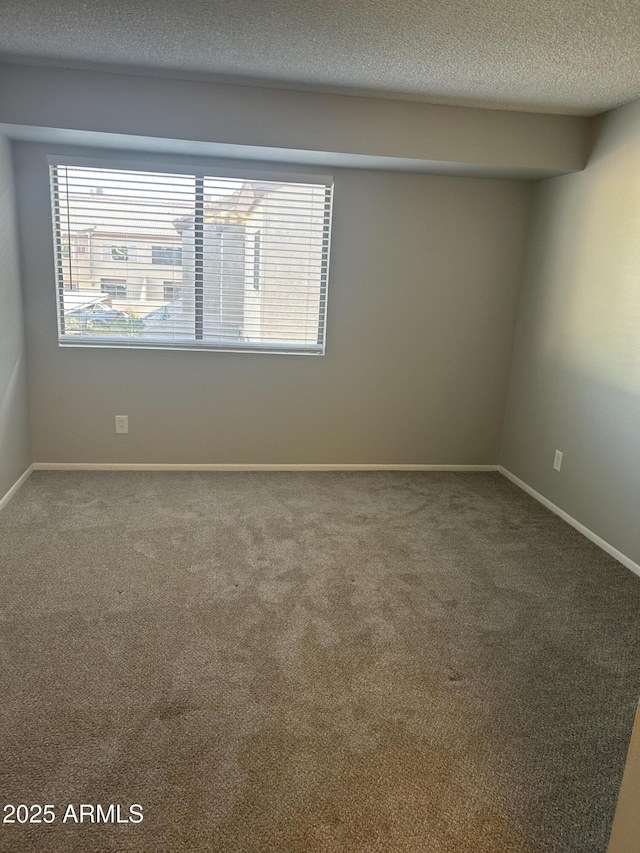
(199, 172)
(157, 250)
(173, 286)
(114, 283)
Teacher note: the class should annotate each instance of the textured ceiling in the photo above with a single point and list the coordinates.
(567, 56)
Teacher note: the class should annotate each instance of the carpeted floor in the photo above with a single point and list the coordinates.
(310, 662)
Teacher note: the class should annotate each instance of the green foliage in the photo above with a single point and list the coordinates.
(129, 326)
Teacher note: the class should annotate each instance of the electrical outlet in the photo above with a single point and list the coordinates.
(557, 460)
(122, 423)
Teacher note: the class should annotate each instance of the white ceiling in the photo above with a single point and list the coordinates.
(563, 56)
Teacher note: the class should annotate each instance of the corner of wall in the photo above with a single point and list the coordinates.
(527, 249)
(575, 378)
(15, 440)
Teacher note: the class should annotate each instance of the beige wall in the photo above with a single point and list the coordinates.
(575, 382)
(422, 301)
(15, 451)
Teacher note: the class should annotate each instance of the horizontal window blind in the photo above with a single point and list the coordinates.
(154, 259)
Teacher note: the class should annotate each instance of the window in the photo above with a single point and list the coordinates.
(171, 291)
(167, 256)
(114, 287)
(252, 259)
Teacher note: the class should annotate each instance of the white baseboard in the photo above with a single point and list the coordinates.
(118, 466)
(601, 543)
(23, 479)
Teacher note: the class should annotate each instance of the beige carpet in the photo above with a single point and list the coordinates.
(310, 662)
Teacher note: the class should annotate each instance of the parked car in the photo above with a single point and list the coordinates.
(97, 314)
